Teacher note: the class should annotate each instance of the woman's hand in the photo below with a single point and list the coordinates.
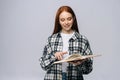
(59, 55)
(77, 62)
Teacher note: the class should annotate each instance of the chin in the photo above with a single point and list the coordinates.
(69, 28)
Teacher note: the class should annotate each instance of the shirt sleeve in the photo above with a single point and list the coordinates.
(86, 67)
(48, 57)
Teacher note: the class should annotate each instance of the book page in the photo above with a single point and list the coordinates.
(75, 57)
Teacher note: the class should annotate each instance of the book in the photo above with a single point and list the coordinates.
(75, 57)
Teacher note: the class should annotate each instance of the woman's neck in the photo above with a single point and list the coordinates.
(67, 32)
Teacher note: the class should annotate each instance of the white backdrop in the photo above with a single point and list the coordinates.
(26, 24)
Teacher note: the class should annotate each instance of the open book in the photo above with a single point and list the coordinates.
(75, 57)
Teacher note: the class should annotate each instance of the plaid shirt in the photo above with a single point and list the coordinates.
(78, 44)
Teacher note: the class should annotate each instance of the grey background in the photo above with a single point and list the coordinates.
(26, 24)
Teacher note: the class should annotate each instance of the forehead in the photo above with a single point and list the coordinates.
(65, 14)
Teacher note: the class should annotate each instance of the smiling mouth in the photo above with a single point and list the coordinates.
(67, 26)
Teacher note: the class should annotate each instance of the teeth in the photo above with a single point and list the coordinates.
(67, 26)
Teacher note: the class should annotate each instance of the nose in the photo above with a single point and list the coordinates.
(66, 21)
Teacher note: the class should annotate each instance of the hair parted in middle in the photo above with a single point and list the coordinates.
(57, 26)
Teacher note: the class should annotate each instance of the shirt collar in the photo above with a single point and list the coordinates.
(75, 36)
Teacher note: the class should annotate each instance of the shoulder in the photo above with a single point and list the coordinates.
(80, 36)
(83, 37)
(53, 36)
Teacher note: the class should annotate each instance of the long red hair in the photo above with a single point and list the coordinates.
(57, 26)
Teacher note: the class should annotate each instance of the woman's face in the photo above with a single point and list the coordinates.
(66, 21)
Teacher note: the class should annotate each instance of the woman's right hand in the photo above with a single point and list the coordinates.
(59, 55)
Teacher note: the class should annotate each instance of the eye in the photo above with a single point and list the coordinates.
(62, 19)
(69, 18)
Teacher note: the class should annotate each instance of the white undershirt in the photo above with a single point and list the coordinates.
(65, 38)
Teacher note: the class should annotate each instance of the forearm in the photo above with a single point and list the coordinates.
(46, 61)
(86, 66)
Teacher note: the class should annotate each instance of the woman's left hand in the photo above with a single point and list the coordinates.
(77, 62)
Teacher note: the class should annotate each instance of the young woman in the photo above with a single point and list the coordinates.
(64, 41)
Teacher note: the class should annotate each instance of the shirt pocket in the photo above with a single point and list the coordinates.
(57, 46)
(75, 47)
